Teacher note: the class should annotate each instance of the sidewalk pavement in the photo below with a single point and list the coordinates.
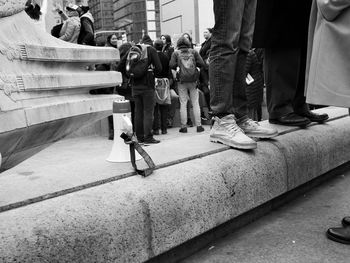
(294, 233)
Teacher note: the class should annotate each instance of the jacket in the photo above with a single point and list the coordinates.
(281, 23)
(145, 82)
(184, 45)
(87, 31)
(71, 29)
(205, 49)
(328, 67)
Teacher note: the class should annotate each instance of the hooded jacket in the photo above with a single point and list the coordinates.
(71, 28)
(183, 45)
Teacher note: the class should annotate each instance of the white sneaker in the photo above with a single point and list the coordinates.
(226, 131)
(253, 129)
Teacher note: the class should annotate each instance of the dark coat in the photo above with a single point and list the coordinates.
(87, 31)
(281, 23)
(205, 50)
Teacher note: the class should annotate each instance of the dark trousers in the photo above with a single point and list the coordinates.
(144, 107)
(160, 117)
(285, 80)
(204, 85)
(231, 41)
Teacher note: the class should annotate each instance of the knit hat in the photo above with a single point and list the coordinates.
(147, 40)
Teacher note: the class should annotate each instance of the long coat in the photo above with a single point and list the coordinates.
(328, 64)
(281, 23)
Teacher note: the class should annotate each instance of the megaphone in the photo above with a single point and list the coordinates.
(121, 121)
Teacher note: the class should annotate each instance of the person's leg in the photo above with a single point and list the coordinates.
(244, 44)
(222, 64)
(299, 101)
(224, 48)
(163, 117)
(183, 97)
(194, 95)
(281, 67)
(156, 120)
(148, 108)
(139, 117)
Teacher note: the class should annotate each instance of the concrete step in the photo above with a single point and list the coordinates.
(68, 204)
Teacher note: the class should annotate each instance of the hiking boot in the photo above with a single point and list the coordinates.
(183, 130)
(151, 141)
(226, 131)
(253, 129)
(200, 129)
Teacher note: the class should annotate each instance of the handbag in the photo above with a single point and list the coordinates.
(162, 91)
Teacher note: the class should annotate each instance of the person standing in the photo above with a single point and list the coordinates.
(161, 110)
(143, 89)
(285, 41)
(230, 44)
(71, 26)
(187, 60)
(204, 73)
(327, 70)
(87, 31)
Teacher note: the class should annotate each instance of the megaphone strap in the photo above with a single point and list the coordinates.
(134, 145)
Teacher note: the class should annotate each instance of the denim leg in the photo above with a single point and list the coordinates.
(194, 95)
(183, 97)
(148, 110)
(139, 117)
(231, 17)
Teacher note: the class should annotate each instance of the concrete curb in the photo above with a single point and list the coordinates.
(135, 219)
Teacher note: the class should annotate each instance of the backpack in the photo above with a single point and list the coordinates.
(137, 62)
(187, 64)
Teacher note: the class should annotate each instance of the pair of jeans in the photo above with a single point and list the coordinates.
(231, 41)
(144, 109)
(185, 89)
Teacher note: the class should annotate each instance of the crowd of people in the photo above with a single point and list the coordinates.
(289, 57)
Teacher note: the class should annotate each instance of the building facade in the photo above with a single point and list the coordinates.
(137, 17)
(186, 16)
(102, 11)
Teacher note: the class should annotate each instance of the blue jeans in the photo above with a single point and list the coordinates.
(144, 109)
(231, 40)
(185, 89)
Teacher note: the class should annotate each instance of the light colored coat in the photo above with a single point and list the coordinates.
(328, 63)
(71, 28)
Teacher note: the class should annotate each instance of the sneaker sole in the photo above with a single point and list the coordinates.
(234, 145)
(261, 135)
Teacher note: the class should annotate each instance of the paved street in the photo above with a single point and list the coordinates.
(293, 233)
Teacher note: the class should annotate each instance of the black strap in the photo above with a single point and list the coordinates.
(134, 145)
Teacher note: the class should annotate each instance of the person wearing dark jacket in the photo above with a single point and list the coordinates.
(86, 36)
(285, 41)
(143, 93)
(161, 110)
(204, 73)
(168, 50)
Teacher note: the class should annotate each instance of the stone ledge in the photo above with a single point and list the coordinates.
(135, 219)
